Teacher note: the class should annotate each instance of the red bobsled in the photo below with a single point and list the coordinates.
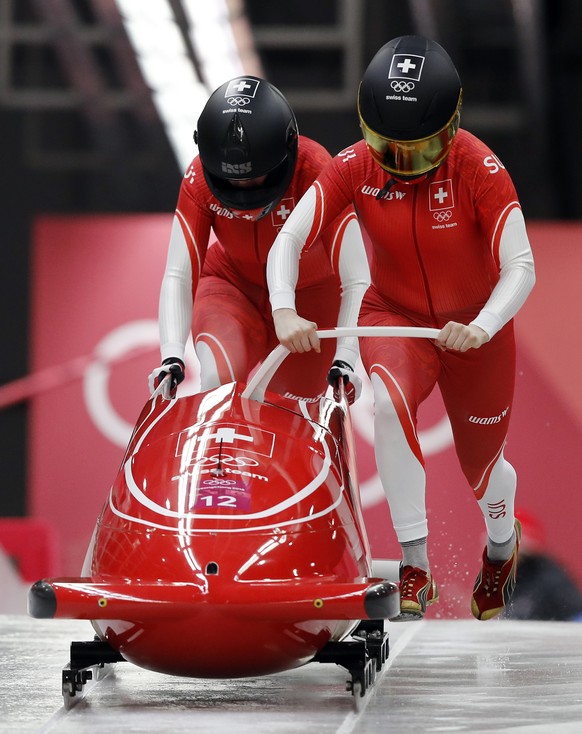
(231, 544)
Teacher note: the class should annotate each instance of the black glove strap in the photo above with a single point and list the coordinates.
(173, 360)
(342, 365)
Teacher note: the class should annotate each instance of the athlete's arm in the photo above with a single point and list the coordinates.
(188, 243)
(517, 278)
(294, 332)
(354, 275)
(175, 305)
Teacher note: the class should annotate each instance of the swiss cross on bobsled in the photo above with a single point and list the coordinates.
(231, 544)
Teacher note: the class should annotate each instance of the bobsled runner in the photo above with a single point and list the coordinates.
(232, 543)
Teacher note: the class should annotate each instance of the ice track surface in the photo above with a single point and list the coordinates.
(442, 676)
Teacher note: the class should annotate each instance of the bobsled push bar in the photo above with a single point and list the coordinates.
(255, 389)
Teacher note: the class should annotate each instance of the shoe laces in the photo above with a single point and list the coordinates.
(492, 575)
(491, 580)
(407, 584)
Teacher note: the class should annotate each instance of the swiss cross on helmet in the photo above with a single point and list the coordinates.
(247, 142)
(409, 104)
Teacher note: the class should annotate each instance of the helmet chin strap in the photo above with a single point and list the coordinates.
(408, 180)
(412, 180)
(386, 188)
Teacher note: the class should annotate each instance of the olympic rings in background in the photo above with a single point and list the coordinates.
(119, 342)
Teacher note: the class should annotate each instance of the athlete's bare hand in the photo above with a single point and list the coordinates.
(295, 332)
(460, 337)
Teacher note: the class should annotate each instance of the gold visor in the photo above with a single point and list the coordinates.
(412, 157)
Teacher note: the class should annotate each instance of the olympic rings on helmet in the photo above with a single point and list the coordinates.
(238, 101)
(402, 86)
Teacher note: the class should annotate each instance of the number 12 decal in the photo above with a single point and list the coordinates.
(232, 494)
(221, 500)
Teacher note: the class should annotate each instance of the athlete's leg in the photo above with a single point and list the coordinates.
(230, 334)
(477, 388)
(403, 372)
(398, 457)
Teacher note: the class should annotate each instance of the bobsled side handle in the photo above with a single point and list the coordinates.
(255, 389)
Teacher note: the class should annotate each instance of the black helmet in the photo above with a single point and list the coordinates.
(409, 105)
(247, 131)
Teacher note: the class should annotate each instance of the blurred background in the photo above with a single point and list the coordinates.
(98, 101)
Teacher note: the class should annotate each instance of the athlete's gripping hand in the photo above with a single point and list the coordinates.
(352, 383)
(171, 366)
(295, 332)
(460, 337)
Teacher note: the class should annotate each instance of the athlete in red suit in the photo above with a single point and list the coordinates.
(251, 171)
(449, 249)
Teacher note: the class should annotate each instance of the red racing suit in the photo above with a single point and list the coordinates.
(451, 247)
(225, 283)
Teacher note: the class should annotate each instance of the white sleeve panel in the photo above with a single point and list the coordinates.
(355, 279)
(354, 272)
(285, 253)
(283, 270)
(175, 307)
(517, 276)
